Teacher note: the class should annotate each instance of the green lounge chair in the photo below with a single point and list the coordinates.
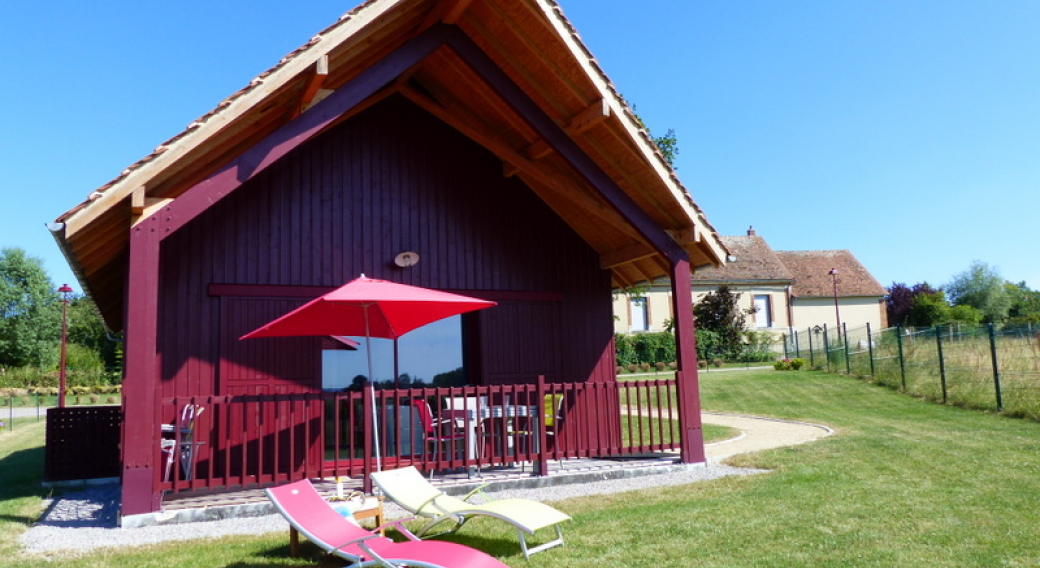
(409, 489)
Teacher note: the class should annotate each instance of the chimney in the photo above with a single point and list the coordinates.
(751, 231)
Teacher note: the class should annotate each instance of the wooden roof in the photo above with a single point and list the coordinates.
(812, 279)
(513, 75)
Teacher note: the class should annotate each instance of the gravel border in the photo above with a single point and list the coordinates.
(81, 521)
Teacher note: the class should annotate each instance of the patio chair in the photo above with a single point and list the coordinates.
(409, 489)
(441, 434)
(308, 512)
(185, 430)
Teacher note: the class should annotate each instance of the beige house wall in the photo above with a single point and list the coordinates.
(854, 312)
(659, 307)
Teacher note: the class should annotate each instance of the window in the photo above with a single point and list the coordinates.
(428, 356)
(639, 317)
(763, 311)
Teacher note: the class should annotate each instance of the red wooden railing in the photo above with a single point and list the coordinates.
(257, 440)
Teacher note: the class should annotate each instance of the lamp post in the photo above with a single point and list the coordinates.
(837, 314)
(65, 291)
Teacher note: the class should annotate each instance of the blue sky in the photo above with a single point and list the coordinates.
(905, 131)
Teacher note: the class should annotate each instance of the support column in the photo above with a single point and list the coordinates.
(688, 383)
(140, 372)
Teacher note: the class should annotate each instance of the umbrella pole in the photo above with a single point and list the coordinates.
(371, 379)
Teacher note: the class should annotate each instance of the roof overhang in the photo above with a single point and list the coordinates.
(511, 75)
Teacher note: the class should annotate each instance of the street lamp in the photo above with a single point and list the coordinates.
(65, 291)
(837, 314)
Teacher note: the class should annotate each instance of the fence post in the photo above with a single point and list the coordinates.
(784, 336)
(812, 357)
(845, 339)
(942, 362)
(996, 369)
(826, 348)
(902, 359)
(870, 348)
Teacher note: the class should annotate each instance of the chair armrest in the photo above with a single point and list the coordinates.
(367, 550)
(478, 491)
(399, 525)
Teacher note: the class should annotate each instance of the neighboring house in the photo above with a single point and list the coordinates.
(482, 136)
(860, 298)
(789, 290)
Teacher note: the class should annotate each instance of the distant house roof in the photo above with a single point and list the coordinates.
(812, 278)
(752, 260)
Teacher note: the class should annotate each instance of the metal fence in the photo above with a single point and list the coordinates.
(977, 366)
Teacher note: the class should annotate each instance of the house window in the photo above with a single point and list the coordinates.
(639, 317)
(428, 356)
(763, 311)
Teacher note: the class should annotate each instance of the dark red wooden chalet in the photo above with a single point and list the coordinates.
(480, 134)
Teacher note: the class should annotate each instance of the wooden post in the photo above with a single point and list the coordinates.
(687, 380)
(140, 373)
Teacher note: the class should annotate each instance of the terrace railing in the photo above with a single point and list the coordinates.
(256, 440)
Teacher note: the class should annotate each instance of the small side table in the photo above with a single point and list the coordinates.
(371, 508)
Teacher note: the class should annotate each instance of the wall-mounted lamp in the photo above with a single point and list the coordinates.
(407, 259)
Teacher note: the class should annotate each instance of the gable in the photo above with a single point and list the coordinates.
(511, 75)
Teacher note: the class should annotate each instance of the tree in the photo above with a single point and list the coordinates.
(982, 288)
(928, 310)
(900, 300)
(30, 314)
(667, 144)
(718, 312)
(87, 329)
(1024, 303)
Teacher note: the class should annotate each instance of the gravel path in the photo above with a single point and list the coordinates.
(82, 521)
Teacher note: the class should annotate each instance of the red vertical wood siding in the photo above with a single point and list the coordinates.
(388, 180)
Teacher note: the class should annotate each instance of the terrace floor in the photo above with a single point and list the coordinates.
(756, 434)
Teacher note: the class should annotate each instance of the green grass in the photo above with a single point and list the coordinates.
(902, 483)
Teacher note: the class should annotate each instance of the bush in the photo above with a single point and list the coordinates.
(701, 363)
(789, 364)
(659, 366)
(717, 362)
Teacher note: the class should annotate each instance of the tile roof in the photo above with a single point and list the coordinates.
(755, 260)
(811, 270)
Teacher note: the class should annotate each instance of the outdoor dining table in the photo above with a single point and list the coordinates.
(472, 417)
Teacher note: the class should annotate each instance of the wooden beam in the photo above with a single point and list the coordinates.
(137, 201)
(509, 170)
(687, 235)
(268, 151)
(445, 12)
(625, 255)
(538, 150)
(151, 205)
(527, 169)
(319, 73)
(499, 81)
(596, 113)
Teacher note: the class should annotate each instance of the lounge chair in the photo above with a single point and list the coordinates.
(312, 516)
(409, 489)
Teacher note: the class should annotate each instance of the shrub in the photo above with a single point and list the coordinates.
(632, 367)
(782, 365)
(673, 365)
(703, 364)
(798, 363)
(645, 367)
(717, 362)
(660, 366)
(619, 370)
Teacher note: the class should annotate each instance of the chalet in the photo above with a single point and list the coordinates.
(471, 146)
(788, 290)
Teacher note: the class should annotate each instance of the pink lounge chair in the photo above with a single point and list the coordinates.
(312, 516)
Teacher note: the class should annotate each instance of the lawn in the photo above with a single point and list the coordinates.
(903, 483)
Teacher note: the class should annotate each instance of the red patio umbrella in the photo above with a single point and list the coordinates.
(366, 307)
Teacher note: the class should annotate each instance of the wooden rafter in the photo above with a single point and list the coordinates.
(317, 77)
(518, 164)
(625, 255)
(446, 12)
